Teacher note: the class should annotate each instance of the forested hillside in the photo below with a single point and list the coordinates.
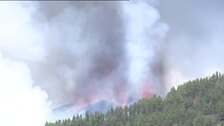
(195, 103)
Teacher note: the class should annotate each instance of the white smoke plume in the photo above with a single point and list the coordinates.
(22, 103)
(144, 32)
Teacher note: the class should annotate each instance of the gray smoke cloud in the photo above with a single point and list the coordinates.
(85, 48)
(99, 50)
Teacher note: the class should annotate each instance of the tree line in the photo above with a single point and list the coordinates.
(195, 103)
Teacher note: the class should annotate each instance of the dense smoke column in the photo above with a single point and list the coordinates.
(145, 33)
(85, 46)
(100, 50)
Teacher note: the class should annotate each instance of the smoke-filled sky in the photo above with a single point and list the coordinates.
(56, 53)
(195, 41)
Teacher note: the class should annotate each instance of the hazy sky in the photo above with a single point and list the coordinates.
(195, 41)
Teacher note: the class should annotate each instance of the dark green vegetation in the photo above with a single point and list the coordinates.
(195, 103)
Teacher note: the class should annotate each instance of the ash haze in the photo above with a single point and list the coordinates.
(55, 53)
(194, 44)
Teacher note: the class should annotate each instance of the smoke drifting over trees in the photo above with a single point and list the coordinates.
(81, 52)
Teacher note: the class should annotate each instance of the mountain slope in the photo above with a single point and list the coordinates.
(196, 103)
